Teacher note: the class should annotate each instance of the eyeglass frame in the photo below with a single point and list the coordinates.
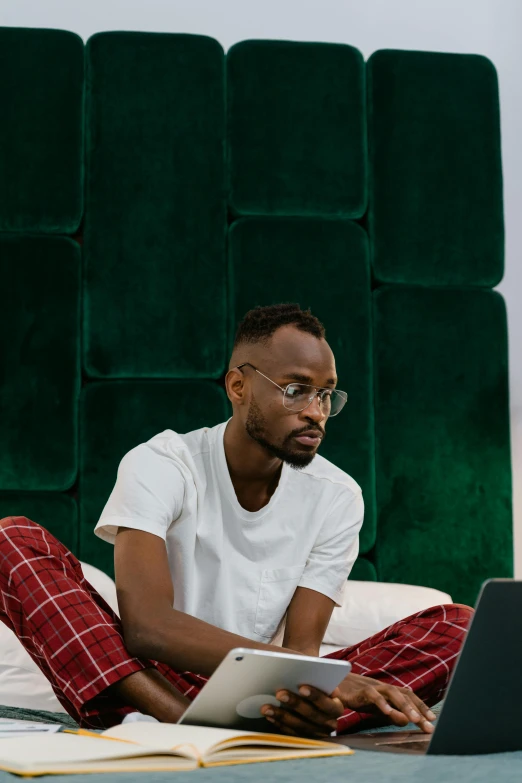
(318, 389)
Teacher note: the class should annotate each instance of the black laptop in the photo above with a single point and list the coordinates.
(482, 711)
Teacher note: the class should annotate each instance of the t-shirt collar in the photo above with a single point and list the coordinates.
(225, 481)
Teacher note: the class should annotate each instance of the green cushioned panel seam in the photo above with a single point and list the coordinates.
(41, 143)
(436, 208)
(40, 368)
(155, 228)
(296, 132)
(443, 471)
(322, 264)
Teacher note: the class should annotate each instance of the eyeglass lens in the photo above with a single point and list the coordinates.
(298, 396)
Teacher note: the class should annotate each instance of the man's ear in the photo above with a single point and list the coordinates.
(235, 386)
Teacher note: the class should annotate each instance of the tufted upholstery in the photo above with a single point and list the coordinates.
(207, 184)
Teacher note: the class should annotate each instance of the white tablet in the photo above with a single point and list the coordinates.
(247, 679)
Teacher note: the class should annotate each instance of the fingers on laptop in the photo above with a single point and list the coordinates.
(401, 705)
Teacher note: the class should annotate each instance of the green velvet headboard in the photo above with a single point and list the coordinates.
(152, 190)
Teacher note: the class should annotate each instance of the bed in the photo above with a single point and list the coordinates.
(362, 766)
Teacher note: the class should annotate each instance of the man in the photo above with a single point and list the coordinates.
(223, 537)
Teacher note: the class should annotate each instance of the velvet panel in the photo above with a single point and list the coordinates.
(363, 571)
(116, 416)
(296, 129)
(443, 471)
(41, 133)
(39, 367)
(58, 513)
(321, 264)
(155, 283)
(435, 211)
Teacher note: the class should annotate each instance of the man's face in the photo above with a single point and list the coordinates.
(291, 356)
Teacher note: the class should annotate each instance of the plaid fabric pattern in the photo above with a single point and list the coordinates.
(419, 652)
(77, 641)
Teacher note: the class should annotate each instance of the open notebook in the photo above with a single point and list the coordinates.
(153, 747)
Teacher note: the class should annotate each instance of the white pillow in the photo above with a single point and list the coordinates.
(369, 607)
(22, 684)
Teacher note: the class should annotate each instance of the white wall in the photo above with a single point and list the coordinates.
(490, 27)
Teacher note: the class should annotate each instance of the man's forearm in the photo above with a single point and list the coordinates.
(310, 649)
(184, 642)
(150, 693)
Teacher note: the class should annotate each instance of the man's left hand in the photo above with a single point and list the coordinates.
(310, 714)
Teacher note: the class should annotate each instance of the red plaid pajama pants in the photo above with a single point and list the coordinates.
(77, 641)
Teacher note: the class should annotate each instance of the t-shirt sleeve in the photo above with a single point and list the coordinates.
(148, 495)
(336, 548)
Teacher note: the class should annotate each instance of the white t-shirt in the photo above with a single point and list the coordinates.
(234, 568)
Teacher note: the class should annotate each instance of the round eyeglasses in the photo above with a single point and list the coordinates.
(298, 396)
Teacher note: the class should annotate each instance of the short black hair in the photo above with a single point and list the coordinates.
(259, 324)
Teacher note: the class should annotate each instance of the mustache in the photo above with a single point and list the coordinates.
(310, 428)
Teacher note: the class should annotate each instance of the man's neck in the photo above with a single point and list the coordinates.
(254, 473)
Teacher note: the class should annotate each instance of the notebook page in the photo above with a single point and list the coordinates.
(140, 764)
(62, 750)
(275, 741)
(166, 736)
(208, 743)
(249, 754)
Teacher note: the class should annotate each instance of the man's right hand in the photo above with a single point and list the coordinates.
(310, 713)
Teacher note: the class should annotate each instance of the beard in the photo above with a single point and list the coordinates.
(256, 427)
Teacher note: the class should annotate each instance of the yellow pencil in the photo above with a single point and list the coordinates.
(86, 733)
(82, 732)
